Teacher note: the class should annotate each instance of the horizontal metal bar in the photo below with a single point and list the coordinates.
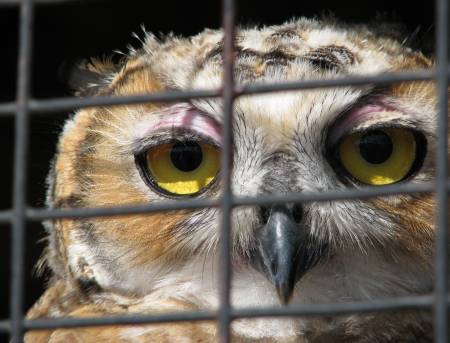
(38, 214)
(404, 303)
(352, 80)
(61, 104)
(395, 304)
(333, 195)
(54, 105)
(38, 2)
(6, 216)
(37, 324)
(8, 108)
(5, 326)
(72, 322)
(48, 106)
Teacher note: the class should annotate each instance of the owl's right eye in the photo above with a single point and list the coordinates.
(381, 156)
(182, 168)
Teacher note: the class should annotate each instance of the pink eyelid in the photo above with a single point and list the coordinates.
(180, 116)
(357, 116)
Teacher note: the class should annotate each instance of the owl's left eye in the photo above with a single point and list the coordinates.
(381, 156)
(183, 168)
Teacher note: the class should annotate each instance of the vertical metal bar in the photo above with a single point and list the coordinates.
(224, 318)
(20, 167)
(441, 307)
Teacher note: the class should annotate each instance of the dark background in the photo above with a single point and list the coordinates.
(67, 32)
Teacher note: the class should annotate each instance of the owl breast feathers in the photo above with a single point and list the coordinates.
(313, 140)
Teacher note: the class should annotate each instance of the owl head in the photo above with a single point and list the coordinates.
(314, 140)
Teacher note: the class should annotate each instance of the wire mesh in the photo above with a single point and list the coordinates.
(16, 325)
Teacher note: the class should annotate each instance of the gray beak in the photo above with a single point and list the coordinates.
(284, 252)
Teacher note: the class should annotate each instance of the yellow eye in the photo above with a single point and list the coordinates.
(182, 168)
(381, 156)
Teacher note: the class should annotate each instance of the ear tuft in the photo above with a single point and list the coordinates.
(88, 77)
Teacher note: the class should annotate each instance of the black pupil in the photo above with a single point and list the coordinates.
(375, 146)
(186, 156)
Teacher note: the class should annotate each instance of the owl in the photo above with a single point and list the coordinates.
(313, 140)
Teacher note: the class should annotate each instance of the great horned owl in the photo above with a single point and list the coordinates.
(297, 141)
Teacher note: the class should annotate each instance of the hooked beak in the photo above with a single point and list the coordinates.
(285, 251)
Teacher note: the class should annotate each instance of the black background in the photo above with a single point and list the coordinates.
(67, 32)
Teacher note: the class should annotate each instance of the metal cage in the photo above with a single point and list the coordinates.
(19, 214)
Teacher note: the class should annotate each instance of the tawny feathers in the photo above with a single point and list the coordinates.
(334, 251)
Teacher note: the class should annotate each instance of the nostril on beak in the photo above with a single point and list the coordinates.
(297, 213)
(265, 214)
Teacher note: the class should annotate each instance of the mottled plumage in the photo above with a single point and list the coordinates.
(353, 250)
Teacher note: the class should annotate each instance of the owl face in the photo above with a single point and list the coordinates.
(298, 141)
